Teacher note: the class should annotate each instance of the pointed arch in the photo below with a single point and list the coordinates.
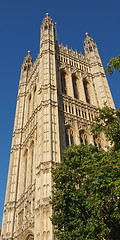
(69, 136)
(34, 96)
(24, 168)
(29, 105)
(63, 81)
(31, 151)
(86, 85)
(75, 85)
(84, 136)
(28, 235)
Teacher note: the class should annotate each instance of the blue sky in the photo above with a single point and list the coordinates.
(20, 31)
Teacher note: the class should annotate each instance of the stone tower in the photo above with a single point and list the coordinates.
(57, 100)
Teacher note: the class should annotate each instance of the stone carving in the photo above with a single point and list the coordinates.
(51, 118)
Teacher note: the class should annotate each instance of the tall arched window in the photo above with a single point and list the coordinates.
(29, 105)
(63, 82)
(24, 169)
(83, 137)
(34, 97)
(75, 87)
(69, 137)
(31, 161)
(86, 89)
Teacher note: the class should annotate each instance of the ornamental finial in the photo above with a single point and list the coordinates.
(86, 34)
(29, 52)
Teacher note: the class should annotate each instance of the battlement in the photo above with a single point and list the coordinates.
(71, 53)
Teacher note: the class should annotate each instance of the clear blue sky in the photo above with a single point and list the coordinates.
(20, 31)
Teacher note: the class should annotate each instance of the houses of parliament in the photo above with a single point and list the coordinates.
(58, 96)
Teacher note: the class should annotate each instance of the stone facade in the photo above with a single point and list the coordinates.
(56, 103)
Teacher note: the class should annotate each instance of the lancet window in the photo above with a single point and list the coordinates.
(63, 82)
(25, 156)
(34, 97)
(29, 105)
(83, 137)
(31, 161)
(69, 137)
(75, 87)
(86, 89)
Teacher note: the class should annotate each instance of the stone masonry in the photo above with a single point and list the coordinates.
(57, 100)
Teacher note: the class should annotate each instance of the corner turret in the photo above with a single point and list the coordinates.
(27, 63)
(90, 47)
(26, 66)
(47, 33)
(100, 83)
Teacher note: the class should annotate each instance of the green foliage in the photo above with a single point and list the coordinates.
(113, 64)
(86, 194)
(108, 121)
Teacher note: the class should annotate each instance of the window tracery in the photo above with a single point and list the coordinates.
(83, 137)
(31, 161)
(29, 105)
(25, 156)
(86, 89)
(69, 137)
(75, 86)
(30, 237)
(34, 97)
(63, 82)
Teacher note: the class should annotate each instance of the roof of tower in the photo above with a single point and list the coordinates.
(28, 57)
(88, 38)
(47, 18)
(86, 34)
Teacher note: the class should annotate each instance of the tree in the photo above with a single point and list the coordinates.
(113, 64)
(86, 193)
(108, 121)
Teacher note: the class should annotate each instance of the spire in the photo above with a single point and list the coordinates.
(47, 32)
(89, 46)
(28, 61)
(86, 34)
(47, 19)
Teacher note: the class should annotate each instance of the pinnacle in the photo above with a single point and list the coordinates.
(86, 34)
(29, 52)
(47, 14)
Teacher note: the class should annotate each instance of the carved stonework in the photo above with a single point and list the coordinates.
(57, 100)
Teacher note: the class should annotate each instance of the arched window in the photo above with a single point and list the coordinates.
(29, 105)
(83, 137)
(34, 97)
(24, 169)
(30, 237)
(63, 82)
(75, 87)
(69, 137)
(86, 89)
(31, 161)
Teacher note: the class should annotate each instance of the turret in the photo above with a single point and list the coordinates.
(90, 47)
(26, 66)
(100, 83)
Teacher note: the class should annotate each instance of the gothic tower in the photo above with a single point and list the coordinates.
(56, 103)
